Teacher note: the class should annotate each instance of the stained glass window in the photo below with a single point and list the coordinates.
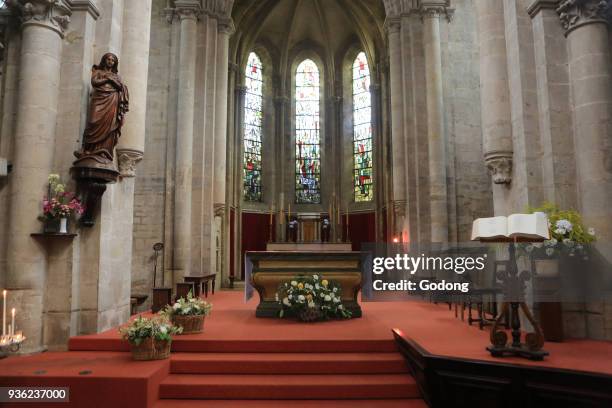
(363, 184)
(253, 115)
(307, 137)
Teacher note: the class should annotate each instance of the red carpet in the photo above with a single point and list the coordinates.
(242, 361)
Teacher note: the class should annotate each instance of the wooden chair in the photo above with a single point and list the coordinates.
(161, 298)
(183, 289)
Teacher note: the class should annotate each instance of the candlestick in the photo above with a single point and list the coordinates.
(12, 321)
(4, 312)
(9, 331)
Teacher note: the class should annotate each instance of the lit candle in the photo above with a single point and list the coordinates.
(12, 321)
(4, 312)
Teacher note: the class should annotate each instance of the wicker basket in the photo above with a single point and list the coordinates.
(151, 349)
(191, 324)
(309, 314)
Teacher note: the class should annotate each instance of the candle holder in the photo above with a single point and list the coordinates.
(10, 344)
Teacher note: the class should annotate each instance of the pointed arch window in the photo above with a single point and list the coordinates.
(253, 117)
(307, 134)
(363, 183)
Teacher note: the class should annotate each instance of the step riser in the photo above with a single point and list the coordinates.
(388, 391)
(288, 367)
(266, 346)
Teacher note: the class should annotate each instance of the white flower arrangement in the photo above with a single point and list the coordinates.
(312, 292)
(190, 306)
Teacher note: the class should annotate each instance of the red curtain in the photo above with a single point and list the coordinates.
(232, 243)
(255, 233)
(362, 228)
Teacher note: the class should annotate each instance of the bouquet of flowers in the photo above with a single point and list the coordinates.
(312, 298)
(190, 306)
(188, 313)
(568, 235)
(59, 203)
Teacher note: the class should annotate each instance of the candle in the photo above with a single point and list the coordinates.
(289, 213)
(12, 321)
(9, 331)
(271, 212)
(4, 312)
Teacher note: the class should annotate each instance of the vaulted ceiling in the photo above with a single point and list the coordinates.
(327, 26)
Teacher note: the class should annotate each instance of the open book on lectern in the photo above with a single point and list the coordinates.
(516, 226)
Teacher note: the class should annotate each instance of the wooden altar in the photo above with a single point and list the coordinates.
(271, 268)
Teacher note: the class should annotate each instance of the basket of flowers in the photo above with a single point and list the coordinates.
(311, 298)
(188, 313)
(149, 339)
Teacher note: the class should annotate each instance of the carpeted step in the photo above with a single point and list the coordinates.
(331, 386)
(378, 403)
(200, 343)
(288, 363)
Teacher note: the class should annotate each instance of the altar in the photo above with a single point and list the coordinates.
(266, 270)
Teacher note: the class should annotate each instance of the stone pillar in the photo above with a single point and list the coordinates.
(495, 100)
(586, 29)
(135, 72)
(553, 93)
(188, 11)
(436, 129)
(400, 222)
(43, 25)
(221, 232)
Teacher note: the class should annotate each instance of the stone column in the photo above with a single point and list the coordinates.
(400, 222)
(226, 28)
(188, 11)
(555, 114)
(495, 100)
(43, 25)
(586, 29)
(436, 129)
(135, 72)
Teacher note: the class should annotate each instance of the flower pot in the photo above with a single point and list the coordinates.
(191, 324)
(310, 314)
(151, 349)
(547, 268)
(63, 229)
(51, 226)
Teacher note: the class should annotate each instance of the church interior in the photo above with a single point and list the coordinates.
(225, 162)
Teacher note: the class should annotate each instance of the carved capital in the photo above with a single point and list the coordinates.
(128, 159)
(436, 11)
(539, 5)
(187, 9)
(393, 25)
(219, 210)
(52, 14)
(499, 165)
(576, 13)
(225, 26)
(399, 208)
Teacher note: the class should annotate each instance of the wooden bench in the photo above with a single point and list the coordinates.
(183, 289)
(135, 301)
(201, 283)
(161, 298)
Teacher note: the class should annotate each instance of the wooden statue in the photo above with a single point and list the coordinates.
(108, 106)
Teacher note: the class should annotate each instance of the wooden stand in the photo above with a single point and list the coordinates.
(161, 298)
(514, 288)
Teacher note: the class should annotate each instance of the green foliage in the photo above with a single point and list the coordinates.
(312, 292)
(141, 328)
(568, 235)
(191, 306)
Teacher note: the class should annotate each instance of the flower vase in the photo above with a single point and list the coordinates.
(51, 226)
(63, 229)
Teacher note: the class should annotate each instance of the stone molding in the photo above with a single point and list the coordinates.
(51, 14)
(281, 100)
(577, 13)
(85, 5)
(539, 5)
(499, 165)
(128, 159)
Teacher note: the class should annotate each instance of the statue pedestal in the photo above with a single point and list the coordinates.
(92, 183)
